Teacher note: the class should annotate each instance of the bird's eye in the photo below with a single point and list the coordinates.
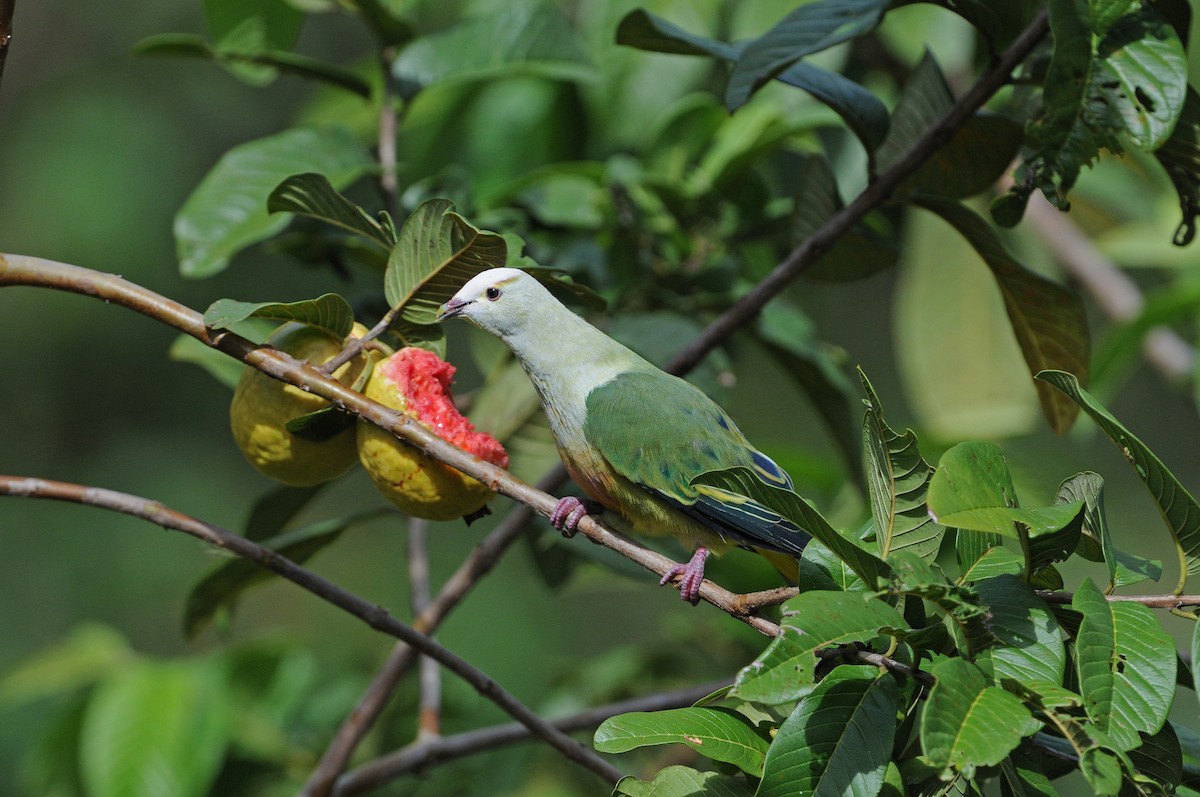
(492, 293)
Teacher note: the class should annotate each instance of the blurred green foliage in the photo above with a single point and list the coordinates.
(621, 167)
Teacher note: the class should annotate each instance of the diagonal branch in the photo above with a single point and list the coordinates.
(35, 271)
(373, 615)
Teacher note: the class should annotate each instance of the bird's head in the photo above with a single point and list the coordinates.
(502, 301)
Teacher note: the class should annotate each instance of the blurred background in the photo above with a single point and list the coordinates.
(98, 151)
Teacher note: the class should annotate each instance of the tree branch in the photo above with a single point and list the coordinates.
(373, 615)
(810, 250)
(34, 271)
(429, 716)
(422, 755)
(1153, 601)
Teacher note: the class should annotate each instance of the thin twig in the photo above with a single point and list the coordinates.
(421, 755)
(481, 560)
(807, 253)
(373, 615)
(1153, 601)
(35, 271)
(430, 706)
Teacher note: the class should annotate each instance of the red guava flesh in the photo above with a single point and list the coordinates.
(423, 379)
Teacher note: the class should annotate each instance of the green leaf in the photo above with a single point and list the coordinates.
(1126, 666)
(963, 616)
(220, 366)
(1180, 156)
(790, 336)
(228, 210)
(88, 653)
(838, 739)
(329, 312)
(1196, 658)
(1179, 509)
(808, 29)
(864, 113)
(1029, 641)
(273, 23)
(974, 157)
(786, 503)
(520, 36)
(898, 480)
(812, 621)
(155, 729)
(1021, 775)
(1049, 321)
(994, 561)
(220, 589)
(718, 733)
(821, 569)
(1124, 569)
(678, 781)
(312, 195)
(968, 724)
(436, 253)
(1159, 757)
(972, 489)
(273, 510)
(859, 253)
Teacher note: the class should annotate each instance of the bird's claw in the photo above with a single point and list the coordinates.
(691, 576)
(568, 512)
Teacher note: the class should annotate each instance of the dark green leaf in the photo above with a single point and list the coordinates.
(563, 285)
(968, 724)
(329, 312)
(820, 569)
(1196, 659)
(993, 561)
(271, 23)
(312, 195)
(274, 510)
(389, 28)
(718, 733)
(679, 781)
(228, 210)
(517, 36)
(838, 739)
(964, 617)
(791, 337)
(786, 503)
(1126, 667)
(220, 366)
(155, 729)
(811, 622)
(1049, 321)
(1179, 508)
(436, 253)
(1021, 775)
(808, 29)
(898, 480)
(972, 489)
(320, 425)
(1124, 569)
(1159, 757)
(1029, 643)
(1180, 156)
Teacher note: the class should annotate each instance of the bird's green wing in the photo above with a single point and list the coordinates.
(660, 432)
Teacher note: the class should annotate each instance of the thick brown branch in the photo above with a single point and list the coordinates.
(374, 616)
(421, 755)
(23, 270)
(806, 254)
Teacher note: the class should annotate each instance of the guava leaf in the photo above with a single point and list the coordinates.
(275, 509)
(808, 29)
(1179, 509)
(1124, 569)
(312, 195)
(867, 566)
(898, 482)
(436, 252)
(720, 734)
(228, 210)
(863, 112)
(1029, 644)
(222, 367)
(812, 621)
(968, 724)
(88, 653)
(680, 781)
(329, 312)
(1126, 666)
(1049, 321)
(837, 740)
(1180, 156)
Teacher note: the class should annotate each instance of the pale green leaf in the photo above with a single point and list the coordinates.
(329, 312)
(821, 569)
(994, 561)
(716, 733)
(1178, 507)
(966, 723)
(89, 653)
(1126, 666)
(679, 781)
(222, 367)
(228, 210)
(838, 739)
(812, 621)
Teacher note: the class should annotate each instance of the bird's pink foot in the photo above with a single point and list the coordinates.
(691, 575)
(568, 512)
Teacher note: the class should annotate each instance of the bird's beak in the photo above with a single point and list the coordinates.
(452, 308)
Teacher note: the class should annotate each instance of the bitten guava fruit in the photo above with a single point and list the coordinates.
(417, 382)
(262, 407)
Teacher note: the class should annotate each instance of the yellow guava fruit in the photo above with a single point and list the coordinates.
(417, 382)
(262, 406)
